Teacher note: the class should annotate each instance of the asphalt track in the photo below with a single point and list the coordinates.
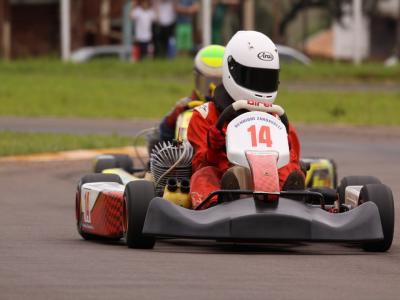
(43, 257)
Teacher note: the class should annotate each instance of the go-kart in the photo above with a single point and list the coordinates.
(320, 172)
(361, 212)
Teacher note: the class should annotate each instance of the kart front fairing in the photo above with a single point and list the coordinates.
(250, 219)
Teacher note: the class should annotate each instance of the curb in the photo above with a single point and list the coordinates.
(75, 155)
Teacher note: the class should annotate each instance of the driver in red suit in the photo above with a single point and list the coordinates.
(243, 79)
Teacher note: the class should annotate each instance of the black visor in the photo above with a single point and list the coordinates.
(256, 79)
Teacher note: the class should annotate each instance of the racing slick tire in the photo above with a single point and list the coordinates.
(138, 195)
(113, 161)
(354, 180)
(382, 196)
(87, 179)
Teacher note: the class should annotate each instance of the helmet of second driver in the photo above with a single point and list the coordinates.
(251, 67)
(208, 70)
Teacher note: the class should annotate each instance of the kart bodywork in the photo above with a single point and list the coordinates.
(250, 219)
(118, 205)
(294, 216)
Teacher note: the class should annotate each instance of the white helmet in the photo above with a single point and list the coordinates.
(251, 67)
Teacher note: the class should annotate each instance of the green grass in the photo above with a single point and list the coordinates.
(360, 108)
(340, 72)
(12, 143)
(114, 89)
(100, 89)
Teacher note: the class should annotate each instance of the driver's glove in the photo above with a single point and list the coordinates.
(215, 138)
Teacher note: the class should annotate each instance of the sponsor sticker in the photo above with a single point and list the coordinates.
(86, 211)
(203, 110)
(265, 56)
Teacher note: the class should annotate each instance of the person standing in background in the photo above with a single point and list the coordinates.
(185, 9)
(231, 23)
(144, 16)
(166, 19)
(217, 22)
(225, 20)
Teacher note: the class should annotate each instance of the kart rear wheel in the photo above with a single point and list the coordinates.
(354, 180)
(113, 161)
(138, 195)
(88, 179)
(382, 196)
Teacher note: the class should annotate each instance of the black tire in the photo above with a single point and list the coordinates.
(138, 195)
(354, 180)
(87, 179)
(100, 178)
(382, 196)
(111, 161)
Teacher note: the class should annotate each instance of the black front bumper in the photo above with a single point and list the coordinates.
(249, 219)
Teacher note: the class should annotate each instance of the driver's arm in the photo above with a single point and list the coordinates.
(209, 148)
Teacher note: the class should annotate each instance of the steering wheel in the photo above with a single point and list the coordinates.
(230, 111)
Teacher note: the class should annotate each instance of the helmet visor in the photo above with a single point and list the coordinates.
(206, 85)
(256, 79)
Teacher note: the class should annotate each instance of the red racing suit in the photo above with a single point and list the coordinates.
(209, 165)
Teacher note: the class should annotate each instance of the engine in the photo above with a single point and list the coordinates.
(170, 160)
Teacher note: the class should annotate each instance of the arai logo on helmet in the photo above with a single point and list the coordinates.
(266, 56)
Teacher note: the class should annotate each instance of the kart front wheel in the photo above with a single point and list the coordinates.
(382, 196)
(354, 180)
(88, 179)
(138, 195)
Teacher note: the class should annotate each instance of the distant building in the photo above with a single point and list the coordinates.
(32, 27)
(377, 37)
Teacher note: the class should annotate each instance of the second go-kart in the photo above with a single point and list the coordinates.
(141, 212)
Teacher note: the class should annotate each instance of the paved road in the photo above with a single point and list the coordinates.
(42, 256)
(76, 125)
(132, 127)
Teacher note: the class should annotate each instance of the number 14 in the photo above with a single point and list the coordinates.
(264, 136)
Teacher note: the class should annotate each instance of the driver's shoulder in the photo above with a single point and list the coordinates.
(207, 110)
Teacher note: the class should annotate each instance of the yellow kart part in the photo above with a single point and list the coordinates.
(321, 174)
(178, 198)
(182, 125)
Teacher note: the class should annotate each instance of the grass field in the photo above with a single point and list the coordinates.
(358, 108)
(113, 89)
(12, 143)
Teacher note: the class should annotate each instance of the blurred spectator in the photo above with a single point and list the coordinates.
(186, 9)
(143, 14)
(165, 32)
(231, 22)
(225, 21)
(217, 22)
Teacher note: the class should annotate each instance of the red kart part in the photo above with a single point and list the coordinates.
(264, 171)
(106, 217)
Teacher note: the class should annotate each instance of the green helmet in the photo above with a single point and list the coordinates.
(208, 69)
